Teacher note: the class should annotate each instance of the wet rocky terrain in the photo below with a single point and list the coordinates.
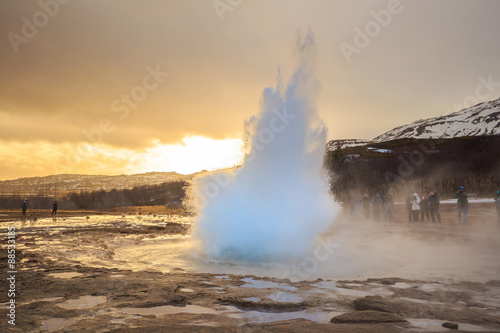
(73, 276)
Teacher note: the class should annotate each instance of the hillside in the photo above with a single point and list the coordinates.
(422, 165)
(479, 120)
(334, 144)
(72, 183)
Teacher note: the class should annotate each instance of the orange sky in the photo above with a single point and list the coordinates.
(141, 82)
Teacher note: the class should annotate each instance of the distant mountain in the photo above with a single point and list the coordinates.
(478, 120)
(332, 145)
(70, 182)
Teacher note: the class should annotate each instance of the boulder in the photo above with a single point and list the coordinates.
(450, 325)
(375, 303)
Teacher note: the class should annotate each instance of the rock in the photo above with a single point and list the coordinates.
(178, 269)
(470, 286)
(493, 283)
(375, 303)
(367, 317)
(386, 281)
(450, 325)
(415, 294)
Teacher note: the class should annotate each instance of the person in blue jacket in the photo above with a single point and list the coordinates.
(462, 204)
(497, 204)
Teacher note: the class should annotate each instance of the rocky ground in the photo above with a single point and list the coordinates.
(73, 276)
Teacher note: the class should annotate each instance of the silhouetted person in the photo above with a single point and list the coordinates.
(497, 204)
(388, 208)
(415, 207)
(377, 202)
(366, 206)
(54, 208)
(434, 206)
(463, 204)
(408, 206)
(356, 208)
(24, 206)
(424, 208)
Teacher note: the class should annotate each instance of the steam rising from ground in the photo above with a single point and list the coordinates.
(274, 206)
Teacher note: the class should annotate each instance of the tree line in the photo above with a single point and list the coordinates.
(169, 193)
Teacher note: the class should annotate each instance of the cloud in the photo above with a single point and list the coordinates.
(64, 80)
(192, 154)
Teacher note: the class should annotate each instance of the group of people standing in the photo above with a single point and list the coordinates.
(24, 207)
(421, 208)
(383, 206)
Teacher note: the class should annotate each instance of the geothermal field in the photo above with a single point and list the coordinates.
(145, 273)
(263, 248)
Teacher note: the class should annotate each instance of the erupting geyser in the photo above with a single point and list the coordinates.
(273, 207)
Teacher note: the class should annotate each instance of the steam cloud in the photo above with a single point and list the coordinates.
(273, 207)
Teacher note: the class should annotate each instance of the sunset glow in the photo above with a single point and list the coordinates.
(191, 154)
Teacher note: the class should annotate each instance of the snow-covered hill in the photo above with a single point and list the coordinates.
(480, 119)
(71, 182)
(332, 145)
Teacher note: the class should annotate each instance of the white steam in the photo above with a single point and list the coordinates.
(274, 206)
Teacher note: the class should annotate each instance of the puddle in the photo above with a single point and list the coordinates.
(403, 285)
(53, 324)
(207, 282)
(83, 302)
(252, 299)
(331, 286)
(267, 317)
(416, 300)
(437, 326)
(261, 284)
(167, 309)
(67, 275)
(431, 287)
(186, 290)
(283, 297)
(222, 277)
